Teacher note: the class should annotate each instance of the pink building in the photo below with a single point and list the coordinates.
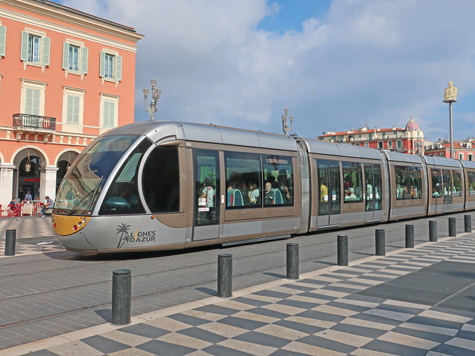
(65, 77)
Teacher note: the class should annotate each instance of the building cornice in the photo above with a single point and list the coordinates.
(62, 15)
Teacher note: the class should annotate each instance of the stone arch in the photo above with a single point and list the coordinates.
(64, 155)
(22, 153)
(63, 161)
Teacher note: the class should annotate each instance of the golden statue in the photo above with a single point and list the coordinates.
(450, 93)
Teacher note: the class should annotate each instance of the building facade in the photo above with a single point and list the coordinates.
(65, 77)
(408, 140)
(463, 149)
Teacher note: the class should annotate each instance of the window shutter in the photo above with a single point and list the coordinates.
(46, 47)
(28, 101)
(24, 46)
(102, 67)
(84, 55)
(76, 110)
(65, 55)
(118, 67)
(3, 40)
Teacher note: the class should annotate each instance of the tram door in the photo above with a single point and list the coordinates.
(329, 193)
(373, 192)
(206, 195)
(447, 188)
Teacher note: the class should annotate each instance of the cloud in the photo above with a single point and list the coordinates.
(371, 61)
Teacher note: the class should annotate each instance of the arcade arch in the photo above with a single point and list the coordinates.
(64, 160)
(30, 163)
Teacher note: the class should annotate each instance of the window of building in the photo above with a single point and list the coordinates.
(366, 144)
(390, 145)
(442, 155)
(352, 182)
(161, 180)
(278, 180)
(380, 145)
(243, 174)
(461, 156)
(109, 111)
(399, 144)
(470, 156)
(73, 109)
(3, 39)
(33, 98)
(35, 48)
(75, 57)
(110, 66)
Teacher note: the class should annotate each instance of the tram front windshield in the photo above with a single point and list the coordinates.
(83, 182)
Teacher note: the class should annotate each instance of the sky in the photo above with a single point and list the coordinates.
(336, 64)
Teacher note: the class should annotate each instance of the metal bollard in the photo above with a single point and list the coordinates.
(225, 275)
(409, 236)
(467, 219)
(432, 231)
(342, 247)
(121, 296)
(380, 242)
(292, 261)
(10, 242)
(452, 227)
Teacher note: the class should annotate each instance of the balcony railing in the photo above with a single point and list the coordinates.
(34, 122)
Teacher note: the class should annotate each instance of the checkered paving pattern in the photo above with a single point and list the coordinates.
(33, 235)
(324, 314)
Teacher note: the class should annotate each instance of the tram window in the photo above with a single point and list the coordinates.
(206, 187)
(377, 188)
(122, 196)
(323, 171)
(402, 182)
(278, 180)
(447, 186)
(471, 183)
(161, 180)
(415, 180)
(352, 182)
(436, 183)
(457, 191)
(334, 187)
(243, 180)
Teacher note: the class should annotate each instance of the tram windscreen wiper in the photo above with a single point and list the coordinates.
(89, 195)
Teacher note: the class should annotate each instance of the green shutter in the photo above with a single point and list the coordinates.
(65, 55)
(32, 101)
(108, 114)
(84, 53)
(46, 48)
(102, 67)
(72, 110)
(24, 46)
(3, 40)
(118, 68)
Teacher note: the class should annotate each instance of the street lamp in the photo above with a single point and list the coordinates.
(450, 96)
(285, 125)
(154, 102)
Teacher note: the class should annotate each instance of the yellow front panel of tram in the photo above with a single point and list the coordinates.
(68, 225)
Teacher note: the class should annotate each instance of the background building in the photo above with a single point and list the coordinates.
(65, 77)
(463, 149)
(408, 140)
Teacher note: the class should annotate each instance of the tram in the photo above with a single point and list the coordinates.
(160, 185)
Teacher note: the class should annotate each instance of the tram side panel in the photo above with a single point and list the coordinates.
(445, 180)
(469, 173)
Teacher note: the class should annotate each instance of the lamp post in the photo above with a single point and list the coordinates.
(450, 96)
(154, 102)
(285, 125)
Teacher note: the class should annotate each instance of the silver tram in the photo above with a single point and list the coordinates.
(169, 185)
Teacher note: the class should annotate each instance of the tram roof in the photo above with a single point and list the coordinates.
(341, 149)
(468, 164)
(403, 157)
(165, 130)
(442, 161)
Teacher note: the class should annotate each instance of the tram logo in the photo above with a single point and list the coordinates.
(133, 236)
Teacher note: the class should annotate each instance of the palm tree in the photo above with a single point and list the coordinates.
(122, 229)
